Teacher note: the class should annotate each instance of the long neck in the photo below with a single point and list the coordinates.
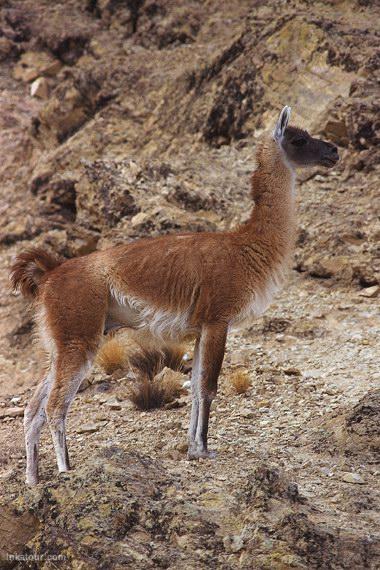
(273, 217)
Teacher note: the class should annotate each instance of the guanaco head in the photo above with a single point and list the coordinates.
(300, 148)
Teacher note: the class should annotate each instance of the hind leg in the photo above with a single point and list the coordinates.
(74, 304)
(34, 419)
(71, 369)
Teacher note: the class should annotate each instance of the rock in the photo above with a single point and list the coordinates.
(138, 221)
(171, 376)
(336, 130)
(241, 357)
(61, 118)
(34, 64)
(14, 412)
(84, 385)
(15, 532)
(113, 404)
(16, 399)
(40, 88)
(175, 405)
(7, 47)
(353, 478)
(247, 414)
(90, 427)
(104, 196)
(370, 292)
(233, 543)
(292, 371)
(366, 275)
(324, 268)
(364, 418)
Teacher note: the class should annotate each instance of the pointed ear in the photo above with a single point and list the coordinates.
(281, 124)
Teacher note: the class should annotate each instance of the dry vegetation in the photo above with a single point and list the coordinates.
(149, 392)
(146, 394)
(239, 381)
(139, 353)
(112, 355)
(157, 369)
(172, 383)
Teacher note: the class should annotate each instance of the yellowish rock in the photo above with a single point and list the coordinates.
(40, 88)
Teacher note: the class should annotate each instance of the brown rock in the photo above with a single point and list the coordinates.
(15, 532)
(324, 268)
(34, 64)
(6, 48)
(104, 197)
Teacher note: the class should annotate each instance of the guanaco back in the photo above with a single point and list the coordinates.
(190, 284)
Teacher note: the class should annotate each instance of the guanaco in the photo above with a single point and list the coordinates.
(177, 286)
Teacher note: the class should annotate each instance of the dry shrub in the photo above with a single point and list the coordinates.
(146, 362)
(112, 355)
(147, 395)
(172, 383)
(150, 360)
(240, 381)
(141, 353)
(173, 358)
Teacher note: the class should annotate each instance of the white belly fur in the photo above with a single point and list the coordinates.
(138, 314)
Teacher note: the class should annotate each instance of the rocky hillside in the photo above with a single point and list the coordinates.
(126, 119)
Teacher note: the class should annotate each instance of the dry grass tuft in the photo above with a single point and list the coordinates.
(147, 395)
(151, 360)
(173, 357)
(172, 383)
(240, 381)
(112, 355)
(146, 362)
(140, 353)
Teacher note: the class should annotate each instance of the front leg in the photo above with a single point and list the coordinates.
(208, 358)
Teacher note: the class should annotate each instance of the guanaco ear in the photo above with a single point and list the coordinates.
(281, 124)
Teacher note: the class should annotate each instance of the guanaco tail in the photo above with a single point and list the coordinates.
(197, 285)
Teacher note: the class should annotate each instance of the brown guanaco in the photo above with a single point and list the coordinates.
(176, 286)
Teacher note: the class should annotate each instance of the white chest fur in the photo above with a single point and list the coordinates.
(261, 298)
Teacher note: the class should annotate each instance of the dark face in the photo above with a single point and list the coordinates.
(303, 150)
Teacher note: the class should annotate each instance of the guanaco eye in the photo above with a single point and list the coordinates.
(301, 141)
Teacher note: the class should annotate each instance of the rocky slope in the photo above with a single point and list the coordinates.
(143, 121)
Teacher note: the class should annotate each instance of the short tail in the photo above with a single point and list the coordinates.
(29, 268)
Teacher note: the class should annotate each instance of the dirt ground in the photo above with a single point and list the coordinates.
(147, 125)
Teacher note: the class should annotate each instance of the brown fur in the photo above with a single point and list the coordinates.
(177, 286)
